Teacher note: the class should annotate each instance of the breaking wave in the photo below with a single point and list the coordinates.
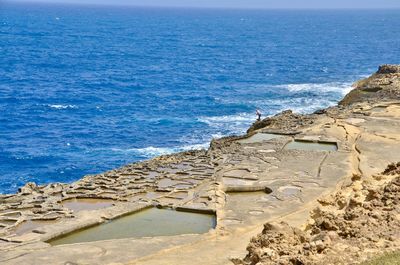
(342, 88)
(151, 151)
(59, 106)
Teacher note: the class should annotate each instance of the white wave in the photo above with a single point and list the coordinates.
(342, 88)
(218, 135)
(242, 117)
(152, 151)
(239, 123)
(299, 105)
(155, 151)
(146, 150)
(220, 126)
(59, 106)
(195, 147)
(309, 105)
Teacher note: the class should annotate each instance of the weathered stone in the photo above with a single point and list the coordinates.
(367, 140)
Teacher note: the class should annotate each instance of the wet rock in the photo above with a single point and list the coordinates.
(320, 111)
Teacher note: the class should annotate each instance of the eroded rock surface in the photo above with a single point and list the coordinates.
(244, 182)
(346, 228)
(164, 181)
(383, 85)
(284, 121)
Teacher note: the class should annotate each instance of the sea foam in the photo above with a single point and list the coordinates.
(342, 88)
(59, 106)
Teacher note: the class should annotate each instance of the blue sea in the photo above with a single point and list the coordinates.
(84, 89)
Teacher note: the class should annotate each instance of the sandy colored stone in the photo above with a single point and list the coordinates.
(246, 184)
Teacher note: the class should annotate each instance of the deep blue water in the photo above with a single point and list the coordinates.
(85, 89)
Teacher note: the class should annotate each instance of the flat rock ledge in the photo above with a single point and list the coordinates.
(349, 226)
(280, 171)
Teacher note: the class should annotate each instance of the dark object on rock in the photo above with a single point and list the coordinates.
(320, 111)
(29, 188)
(258, 114)
(286, 121)
(389, 69)
(392, 169)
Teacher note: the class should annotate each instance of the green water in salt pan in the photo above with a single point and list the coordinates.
(259, 137)
(83, 204)
(311, 146)
(147, 223)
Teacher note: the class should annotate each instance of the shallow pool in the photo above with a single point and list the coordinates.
(83, 204)
(146, 223)
(311, 146)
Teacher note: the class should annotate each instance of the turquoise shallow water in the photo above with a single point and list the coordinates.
(84, 89)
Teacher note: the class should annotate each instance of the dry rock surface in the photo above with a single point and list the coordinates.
(383, 85)
(279, 171)
(350, 226)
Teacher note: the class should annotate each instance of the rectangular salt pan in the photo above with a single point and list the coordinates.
(311, 146)
(147, 223)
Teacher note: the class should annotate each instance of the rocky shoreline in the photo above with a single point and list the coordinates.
(354, 224)
(276, 172)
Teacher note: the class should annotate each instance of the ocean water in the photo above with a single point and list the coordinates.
(84, 89)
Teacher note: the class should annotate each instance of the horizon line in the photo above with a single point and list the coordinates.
(41, 2)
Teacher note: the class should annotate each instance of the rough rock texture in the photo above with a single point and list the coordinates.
(392, 169)
(346, 228)
(245, 180)
(389, 69)
(163, 181)
(286, 121)
(383, 85)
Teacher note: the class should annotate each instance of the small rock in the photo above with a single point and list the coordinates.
(320, 245)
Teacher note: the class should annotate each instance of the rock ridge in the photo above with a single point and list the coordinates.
(361, 218)
(389, 69)
(245, 181)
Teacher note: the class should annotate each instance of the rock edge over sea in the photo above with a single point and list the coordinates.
(286, 166)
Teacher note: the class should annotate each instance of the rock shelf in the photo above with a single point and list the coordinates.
(244, 181)
(349, 226)
(146, 223)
